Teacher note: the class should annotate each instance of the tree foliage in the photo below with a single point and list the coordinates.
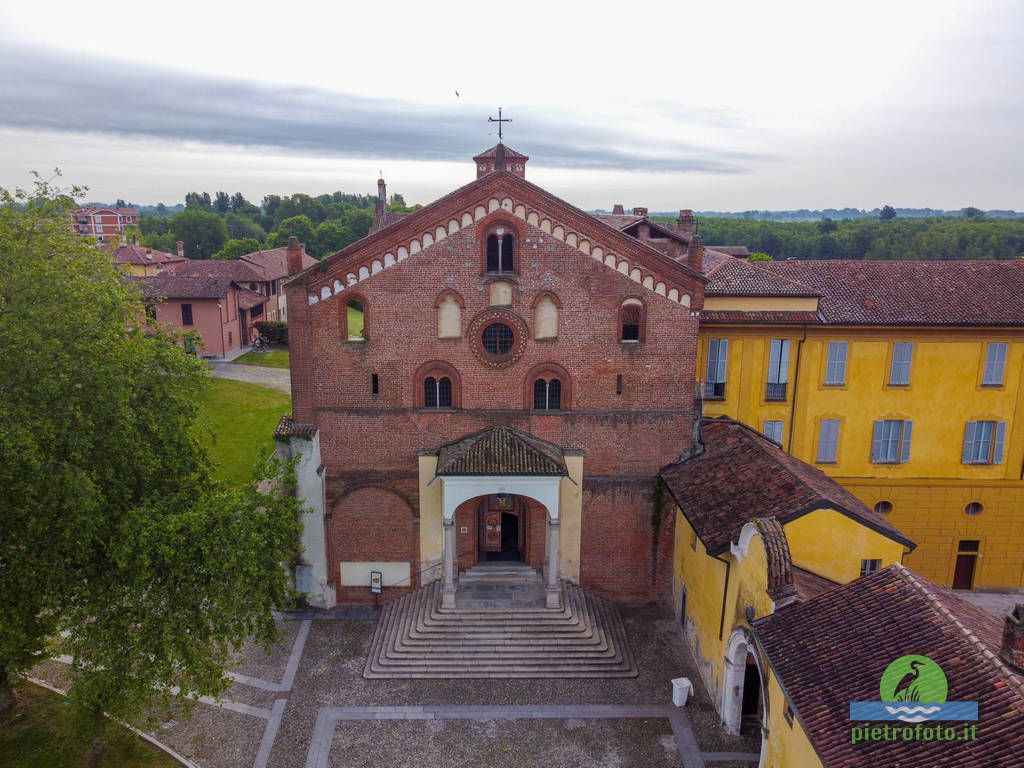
(115, 545)
(888, 213)
(202, 232)
(235, 249)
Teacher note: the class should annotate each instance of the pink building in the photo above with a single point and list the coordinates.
(103, 222)
(215, 312)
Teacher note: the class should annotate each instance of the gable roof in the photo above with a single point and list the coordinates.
(510, 154)
(169, 286)
(233, 269)
(832, 649)
(274, 262)
(500, 451)
(740, 474)
(138, 254)
(677, 281)
(938, 293)
(386, 219)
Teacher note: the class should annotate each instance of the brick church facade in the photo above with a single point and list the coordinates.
(498, 375)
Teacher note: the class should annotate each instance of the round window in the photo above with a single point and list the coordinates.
(498, 339)
(974, 508)
(883, 507)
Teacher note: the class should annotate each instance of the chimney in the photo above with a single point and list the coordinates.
(640, 212)
(135, 239)
(695, 254)
(685, 223)
(618, 209)
(294, 255)
(382, 197)
(181, 249)
(1012, 649)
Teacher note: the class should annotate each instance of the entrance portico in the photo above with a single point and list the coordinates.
(501, 460)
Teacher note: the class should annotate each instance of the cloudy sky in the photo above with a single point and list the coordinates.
(726, 106)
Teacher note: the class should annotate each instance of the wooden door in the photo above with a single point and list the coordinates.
(490, 530)
(963, 575)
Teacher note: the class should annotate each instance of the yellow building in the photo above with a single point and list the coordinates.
(901, 380)
(793, 599)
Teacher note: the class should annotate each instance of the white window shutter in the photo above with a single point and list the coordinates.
(908, 431)
(723, 357)
(876, 441)
(784, 361)
(997, 447)
(969, 437)
(712, 360)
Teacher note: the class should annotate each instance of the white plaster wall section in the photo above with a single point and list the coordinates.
(493, 205)
(414, 247)
(610, 260)
(649, 283)
(453, 226)
(545, 226)
(660, 289)
(389, 259)
(559, 232)
(571, 239)
(351, 278)
(428, 239)
(313, 298)
(507, 204)
(403, 253)
(520, 211)
(338, 286)
(623, 267)
(363, 273)
(673, 295)
(636, 275)
(325, 292)
(685, 299)
(533, 218)
(440, 233)
(467, 219)
(376, 267)
(479, 212)
(584, 246)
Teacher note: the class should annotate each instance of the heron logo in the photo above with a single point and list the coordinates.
(913, 689)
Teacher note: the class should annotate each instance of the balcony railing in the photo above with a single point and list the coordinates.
(775, 391)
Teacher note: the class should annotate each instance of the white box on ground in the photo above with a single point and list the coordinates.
(681, 690)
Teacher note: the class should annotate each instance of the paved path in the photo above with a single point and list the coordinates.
(278, 379)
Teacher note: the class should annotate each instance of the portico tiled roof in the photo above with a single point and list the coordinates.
(740, 474)
(248, 299)
(500, 451)
(735, 277)
(288, 428)
(832, 649)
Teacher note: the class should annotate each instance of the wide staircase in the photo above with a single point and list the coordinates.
(497, 630)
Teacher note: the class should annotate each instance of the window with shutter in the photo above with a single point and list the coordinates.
(828, 441)
(983, 442)
(899, 373)
(890, 443)
(995, 364)
(835, 367)
(773, 431)
(718, 354)
(778, 368)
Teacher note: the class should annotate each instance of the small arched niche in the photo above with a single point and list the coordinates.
(449, 316)
(545, 318)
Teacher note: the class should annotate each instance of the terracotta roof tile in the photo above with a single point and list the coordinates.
(248, 299)
(809, 585)
(510, 154)
(386, 220)
(735, 277)
(736, 251)
(736, 316)
(138, 254)
(234, 269)
(288, 428)
(500, 451)
(779, 561)
(182, 287)
(911, 292)
(619, 221)
(741, 475)
(274, 262)
(833, 648)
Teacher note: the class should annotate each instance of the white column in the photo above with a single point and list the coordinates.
(448, 585)
(553, 597)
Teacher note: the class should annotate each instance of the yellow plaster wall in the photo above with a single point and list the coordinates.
(760, 304)
(570, 514)
(944, 393)
(431, 512)
(787, 745)
(832, 545)
(933, 516)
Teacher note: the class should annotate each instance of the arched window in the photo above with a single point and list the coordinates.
(547, 395)
(437, 392)
(500, 251)
(631, 320)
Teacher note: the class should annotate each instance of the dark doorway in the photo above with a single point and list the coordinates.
(750, 721)
(501, 534)
(963, 575)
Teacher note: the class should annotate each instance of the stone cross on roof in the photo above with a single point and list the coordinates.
(499, 120)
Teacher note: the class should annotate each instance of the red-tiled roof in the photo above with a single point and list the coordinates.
(248, 299)
(167, 286)
(619, 221)
(234, 269)
(500, 451)
(274, 262)
(740, 474)
(779, 562)
(713, 259)
(740, 251)
(137, 254)
(386, 220)
(832, 649)
(735, 277)
(911, 292)
(89, 210)
(809, 585)
(737, 316)
(288, 428)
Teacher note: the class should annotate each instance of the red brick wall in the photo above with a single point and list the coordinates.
(623, 436)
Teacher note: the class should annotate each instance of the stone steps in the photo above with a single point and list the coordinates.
(416, 639)
(500, 572)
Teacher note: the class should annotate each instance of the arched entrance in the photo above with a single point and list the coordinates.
(744, 698)
(502, 525)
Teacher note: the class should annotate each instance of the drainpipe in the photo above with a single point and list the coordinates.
(796, 383)
(725, 596)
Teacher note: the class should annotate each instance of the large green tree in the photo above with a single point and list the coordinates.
(235, 249)
(116, 547)
(203, 233)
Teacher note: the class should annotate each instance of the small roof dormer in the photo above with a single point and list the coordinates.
(500, 158)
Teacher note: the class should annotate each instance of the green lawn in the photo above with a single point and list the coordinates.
(31, 736)
(277, 357)
(237, 420)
